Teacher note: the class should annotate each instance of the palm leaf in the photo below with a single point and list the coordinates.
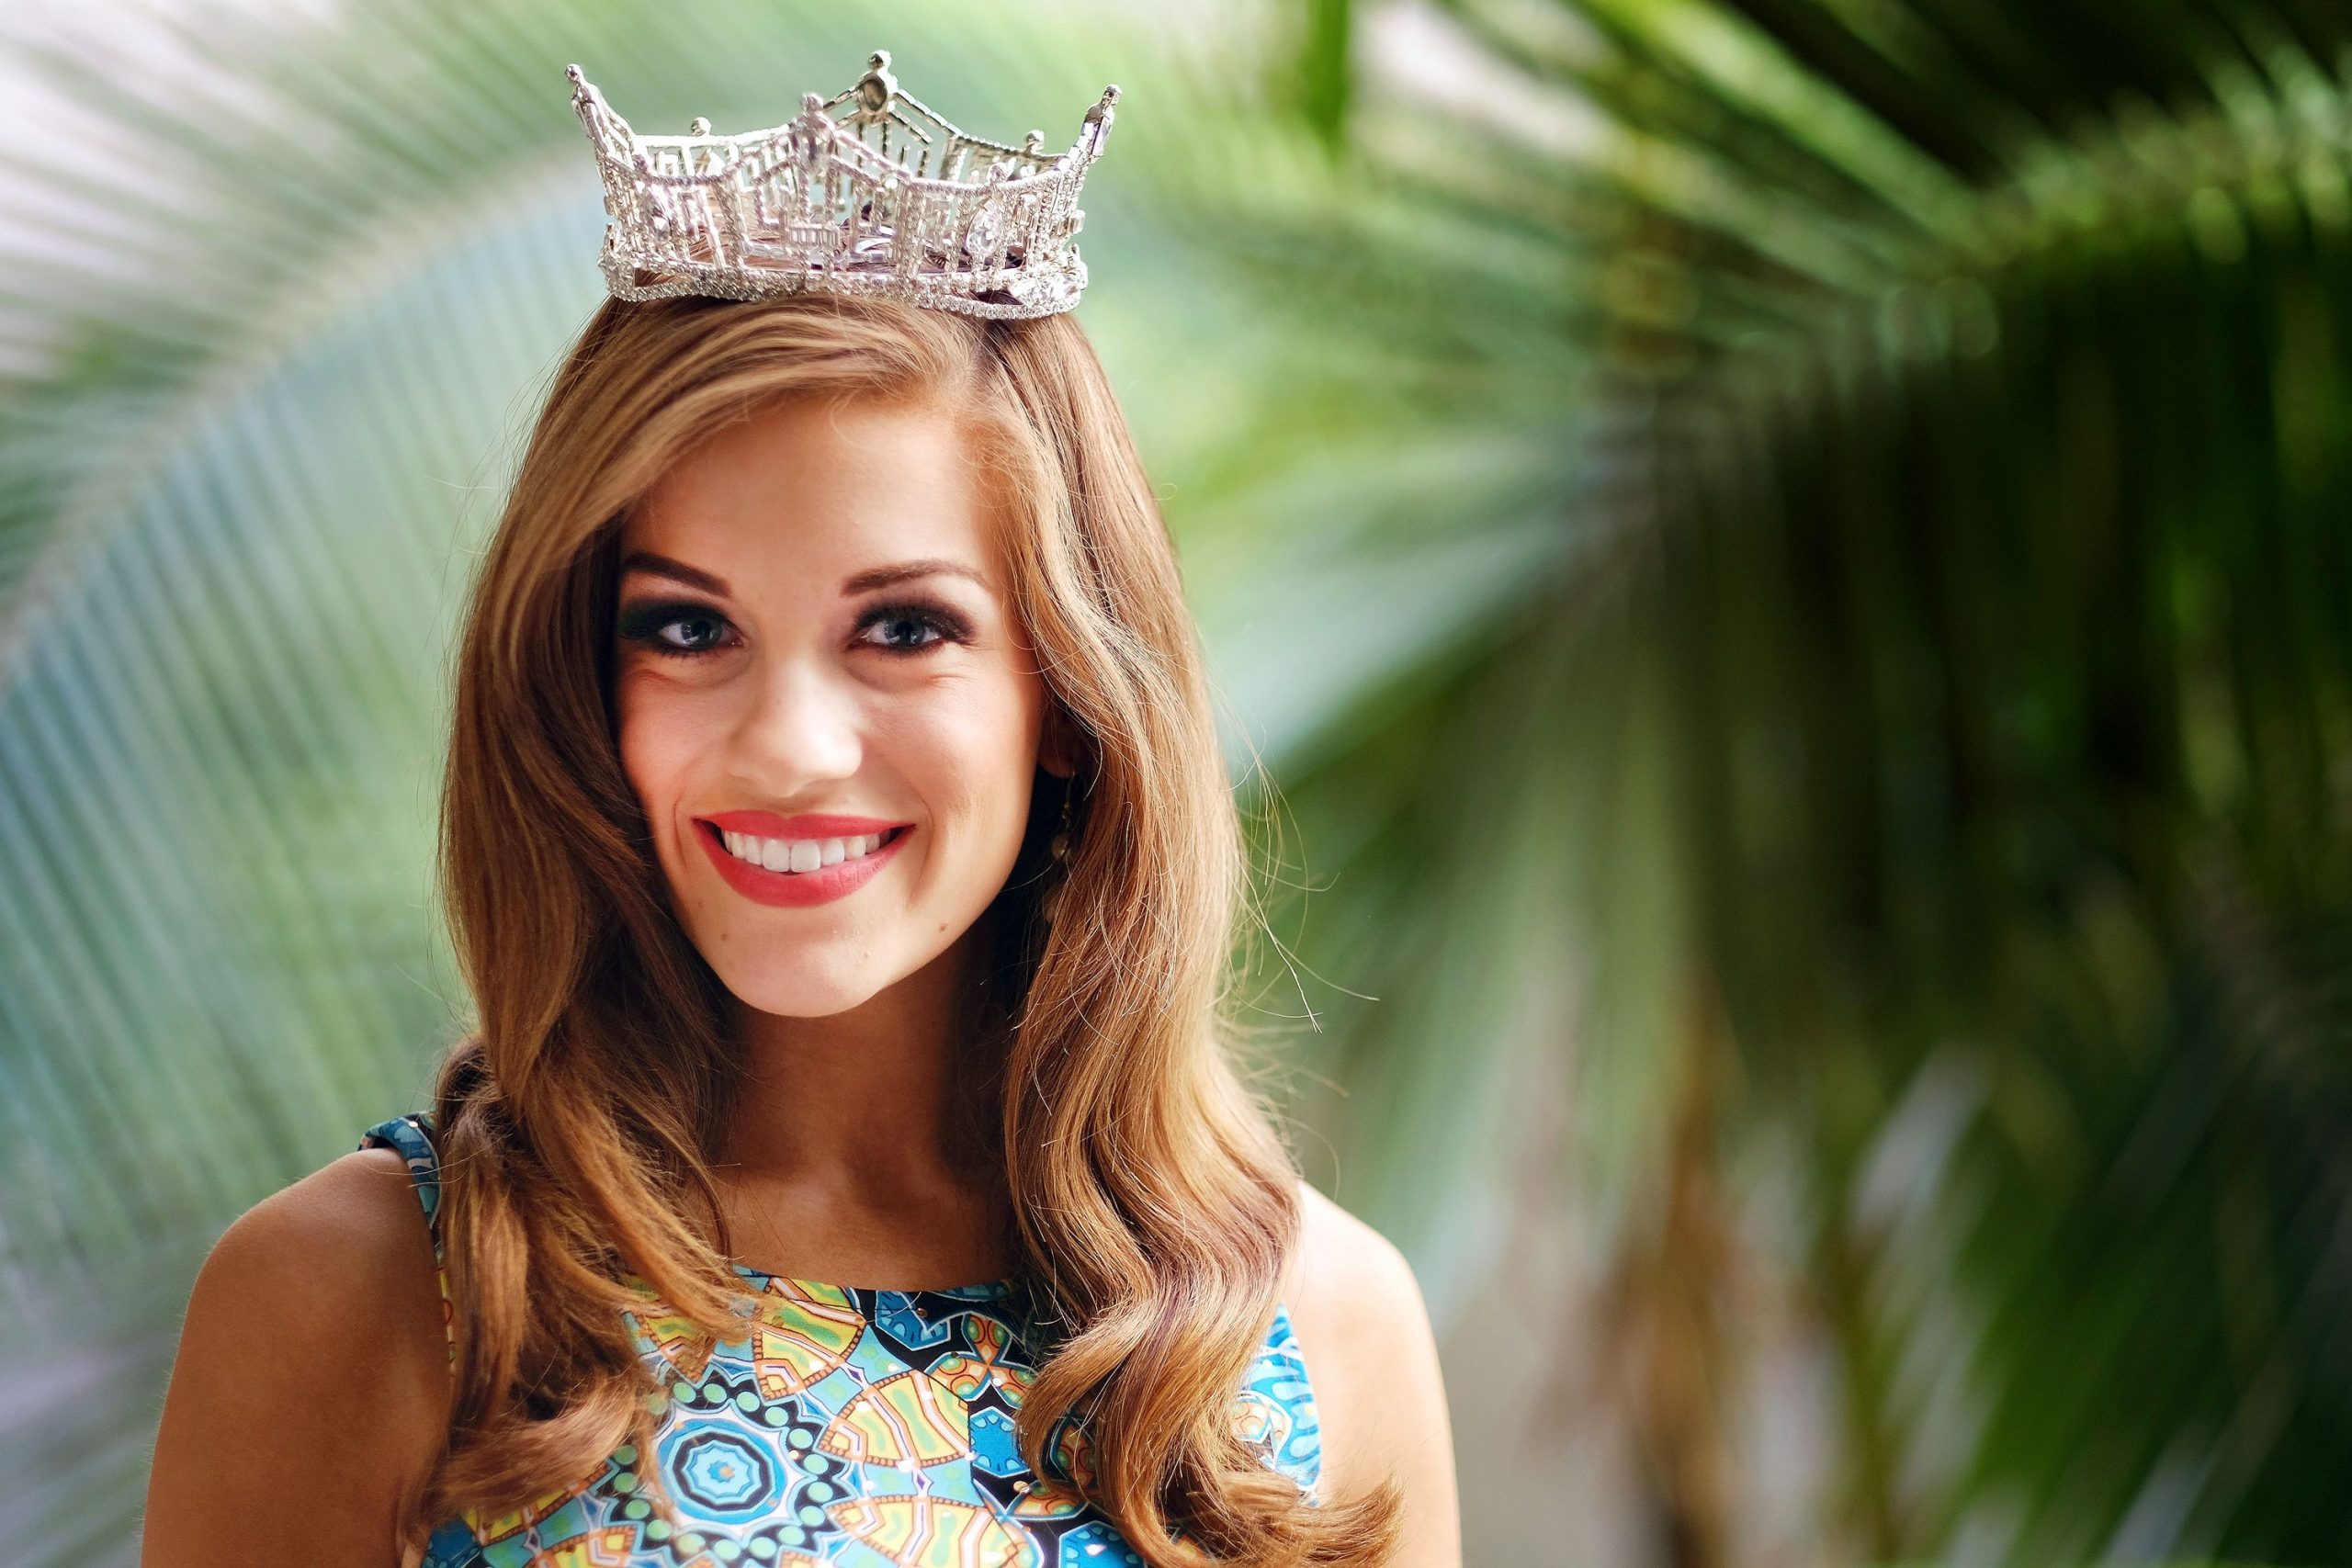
(1950, 398)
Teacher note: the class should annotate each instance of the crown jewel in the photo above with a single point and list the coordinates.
(824, 203)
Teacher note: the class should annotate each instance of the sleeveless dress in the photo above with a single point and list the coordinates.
(868, 1427)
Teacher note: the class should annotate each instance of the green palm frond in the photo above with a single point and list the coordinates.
(1949, 410)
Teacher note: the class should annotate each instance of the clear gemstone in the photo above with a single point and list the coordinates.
(986, 228)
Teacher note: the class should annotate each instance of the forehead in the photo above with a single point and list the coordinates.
(813, 484)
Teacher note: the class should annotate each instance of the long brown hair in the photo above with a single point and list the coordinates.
(1154, 1204)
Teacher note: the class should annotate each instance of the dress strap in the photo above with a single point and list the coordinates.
(1277, 1414)
(413, 1136)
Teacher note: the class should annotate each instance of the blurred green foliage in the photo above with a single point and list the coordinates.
(1933, 723)
(1783, 559)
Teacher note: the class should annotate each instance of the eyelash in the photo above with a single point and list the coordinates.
(642, 623)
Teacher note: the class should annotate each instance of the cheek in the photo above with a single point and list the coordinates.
(972, 752)
(659, 735)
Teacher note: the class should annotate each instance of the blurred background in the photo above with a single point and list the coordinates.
(1779, 579)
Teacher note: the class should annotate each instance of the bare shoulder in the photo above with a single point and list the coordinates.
(310, 1386)
(1363, 1331)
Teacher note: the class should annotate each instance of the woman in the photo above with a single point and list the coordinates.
(837, 845)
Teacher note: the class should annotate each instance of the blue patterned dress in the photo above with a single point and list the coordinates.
(866, 1428)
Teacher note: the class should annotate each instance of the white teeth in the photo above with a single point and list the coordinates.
(798, 854)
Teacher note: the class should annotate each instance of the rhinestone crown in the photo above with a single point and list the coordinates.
(968, 224)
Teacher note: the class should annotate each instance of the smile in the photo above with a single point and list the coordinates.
(798, 871)
(800, 856)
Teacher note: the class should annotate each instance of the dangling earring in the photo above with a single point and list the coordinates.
(1059, 847)
(1050, 902)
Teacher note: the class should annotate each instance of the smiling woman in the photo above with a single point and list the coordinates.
(847, 1167)
(859, 654)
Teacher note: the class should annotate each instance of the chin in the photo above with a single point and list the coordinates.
(794, 990)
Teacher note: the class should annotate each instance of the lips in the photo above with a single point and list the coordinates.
(797, 889)
(808, 825)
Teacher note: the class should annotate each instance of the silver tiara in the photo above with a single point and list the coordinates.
(948, 219)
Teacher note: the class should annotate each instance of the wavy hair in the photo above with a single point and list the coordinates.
(1153, 1203)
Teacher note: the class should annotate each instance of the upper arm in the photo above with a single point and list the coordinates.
(1365, 1333)
(310, 1391)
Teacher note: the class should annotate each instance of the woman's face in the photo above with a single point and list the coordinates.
(825, 706)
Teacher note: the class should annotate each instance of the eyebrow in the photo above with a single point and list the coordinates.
(862, 582)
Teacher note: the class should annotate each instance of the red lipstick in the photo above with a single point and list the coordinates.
(798, 888)
(808, 825)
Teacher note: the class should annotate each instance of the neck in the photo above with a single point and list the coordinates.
(877, 1122)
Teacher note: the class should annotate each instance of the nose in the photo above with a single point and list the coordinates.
(801, 728)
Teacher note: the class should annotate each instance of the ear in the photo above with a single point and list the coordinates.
(1057, 750)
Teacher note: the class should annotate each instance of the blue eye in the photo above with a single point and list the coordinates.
(682, 629)
(913, 627)
(646, 623)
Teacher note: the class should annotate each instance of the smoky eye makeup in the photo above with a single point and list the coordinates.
(645, 622)
(917, 611)
(909, 624)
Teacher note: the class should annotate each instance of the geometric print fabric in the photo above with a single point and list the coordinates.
(872, 1428)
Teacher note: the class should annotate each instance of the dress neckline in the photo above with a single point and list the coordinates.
(986, 1290)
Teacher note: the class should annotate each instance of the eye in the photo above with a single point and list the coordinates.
(650, 624)
(912, 627)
